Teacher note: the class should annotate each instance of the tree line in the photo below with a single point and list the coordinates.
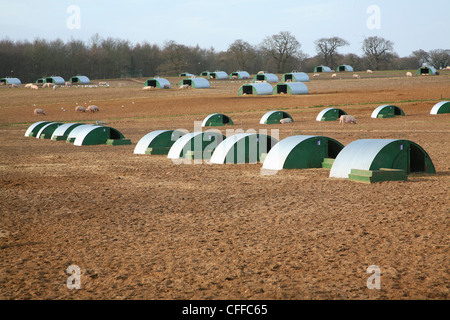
(108, 58)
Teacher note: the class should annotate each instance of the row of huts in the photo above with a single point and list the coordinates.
(366, 160)
(57, 80)
(246, 75)
(318, 69)
(424, 70)
(291, 83)
(327, 114)
(79, 134)
(268, 77)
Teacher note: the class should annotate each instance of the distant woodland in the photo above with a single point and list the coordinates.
(110, 58)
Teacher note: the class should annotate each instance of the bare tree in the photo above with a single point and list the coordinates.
(147, 57)
(175, 58)
(241, 53)
(421, 57)
(327, 49)
(440, 58)
(378, 50)
(282, 48)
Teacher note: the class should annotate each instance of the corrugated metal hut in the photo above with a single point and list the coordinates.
(218, 75)
(441, 107)
(47, 130)
(319, 69)
(295, 77)
(330, 114)
(186, 74)
(160, 83)
(95, 135)
(62, 132)
(345, 68)
(243, 148)
(259, 89)
(376, 156)
(196, 83)
(387, 111)
(274, 117)
(292, 88)
(195, 145)
(426, 70)
(240, 75)
(266, 77)
(34, 128)
(55, 80)
(7, 80)
(80, 80)
(217, 120)
(75, 131)
(158, 142)
(302, 152)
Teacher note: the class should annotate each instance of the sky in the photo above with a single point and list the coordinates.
(410, 24)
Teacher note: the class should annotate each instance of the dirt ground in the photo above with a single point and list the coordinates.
(141, 227)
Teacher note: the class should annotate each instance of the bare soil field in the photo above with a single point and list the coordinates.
(141, 227)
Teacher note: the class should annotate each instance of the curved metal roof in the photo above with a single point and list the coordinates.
(219, 75)
(144, 143)
(62, 129)
(161, 81)
(269, 77)
(241, 74)
(277, 156)
(81, 79)
(222, 153)
(176, 150)
(266, 116)
(437, 106)
(322, 113)
(261, 88)
(347, 67)
(187, 74)
(74, 133)
(357, 155)
(295, 88)
(205, 121)
(324, 68)
(33, 126)
(56, 80)
(198, 83)
(380, 108)
(430, 68)
(46, 127)
(297, 77)
(82, 134)
(11, 80)
(325, 111)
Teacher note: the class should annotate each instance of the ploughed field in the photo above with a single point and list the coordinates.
(143, 227)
